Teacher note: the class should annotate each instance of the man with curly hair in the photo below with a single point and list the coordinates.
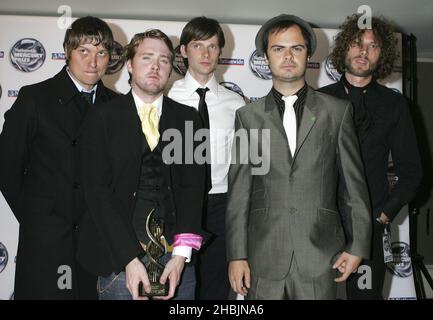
(384, 126)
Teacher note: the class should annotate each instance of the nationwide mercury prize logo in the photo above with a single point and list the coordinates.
(27, 55)
(330, 70)
(233, 87)
(259, 67)
(3, 257)
(179, 64)
(116, 61)
(400, 265)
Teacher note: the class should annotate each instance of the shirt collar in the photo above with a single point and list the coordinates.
(156, 103)
(79, 86)
(192, 85)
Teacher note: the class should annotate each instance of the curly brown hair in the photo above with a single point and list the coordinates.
(383, 31)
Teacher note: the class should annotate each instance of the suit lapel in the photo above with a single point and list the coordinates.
(134, 124)
(309, 118)
(66, 92)
(165, 123)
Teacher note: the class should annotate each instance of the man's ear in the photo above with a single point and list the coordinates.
(128, 65)
(183, 51)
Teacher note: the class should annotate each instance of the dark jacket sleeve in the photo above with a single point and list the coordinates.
(105, 206)
(15, 144)
(190, 197)
(406, 159)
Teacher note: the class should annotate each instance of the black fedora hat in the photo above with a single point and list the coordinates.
(284, 18)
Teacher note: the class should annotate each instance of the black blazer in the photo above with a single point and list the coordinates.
(112, 155)
(40, 179)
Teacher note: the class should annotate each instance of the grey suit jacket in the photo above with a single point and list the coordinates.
(292, 208)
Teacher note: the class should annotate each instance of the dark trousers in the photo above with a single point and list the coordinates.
(377, 266)
(213, 283)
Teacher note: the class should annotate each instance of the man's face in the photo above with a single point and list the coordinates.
(87, 63)
(202, 56)
(363, 55)
(287, 55)
(150, 68)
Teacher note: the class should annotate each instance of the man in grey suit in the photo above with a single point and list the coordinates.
(285, 236)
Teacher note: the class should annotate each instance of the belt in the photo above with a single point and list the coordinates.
(167, 247)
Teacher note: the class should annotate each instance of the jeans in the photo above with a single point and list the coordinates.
(113, 287)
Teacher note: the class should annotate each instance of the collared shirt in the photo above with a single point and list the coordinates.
(80, 87)
(222, 105)
(298, 105)
(156, 103)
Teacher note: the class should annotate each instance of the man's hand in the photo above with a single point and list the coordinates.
(346, 264)
(136, 273)
(172, 271)
(383, 219)
(239, 276)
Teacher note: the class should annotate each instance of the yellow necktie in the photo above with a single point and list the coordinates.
(149, 124)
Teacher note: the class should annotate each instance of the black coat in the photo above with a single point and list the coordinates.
(40, 179)
(390, 130)
(112, 158)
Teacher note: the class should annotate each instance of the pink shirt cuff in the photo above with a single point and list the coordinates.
(189, 240)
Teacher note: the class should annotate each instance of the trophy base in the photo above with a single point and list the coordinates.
(156, 290)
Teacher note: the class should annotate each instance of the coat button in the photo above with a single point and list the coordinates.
(74, 142)
(75, 227)
(292, 210)
(76, 185)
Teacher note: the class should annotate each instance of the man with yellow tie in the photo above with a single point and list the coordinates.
(128, 175)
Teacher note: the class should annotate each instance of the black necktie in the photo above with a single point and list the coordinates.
(202, 107)
(204, 115)
(88, 96)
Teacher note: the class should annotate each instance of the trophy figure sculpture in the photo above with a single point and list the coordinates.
(154, 251)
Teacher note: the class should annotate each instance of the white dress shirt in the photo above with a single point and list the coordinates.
(156, 103)
(222, 105)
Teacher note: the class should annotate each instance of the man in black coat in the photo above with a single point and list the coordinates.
(40, 174)
(383, 124)
(138, 156)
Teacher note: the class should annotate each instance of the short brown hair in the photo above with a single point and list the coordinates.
(383, 31)
(131, 48)
(91, 30)
(202, 28)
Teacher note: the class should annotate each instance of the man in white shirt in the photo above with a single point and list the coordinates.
(202, 41)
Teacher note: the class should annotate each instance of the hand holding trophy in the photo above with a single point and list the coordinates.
(154, 251)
